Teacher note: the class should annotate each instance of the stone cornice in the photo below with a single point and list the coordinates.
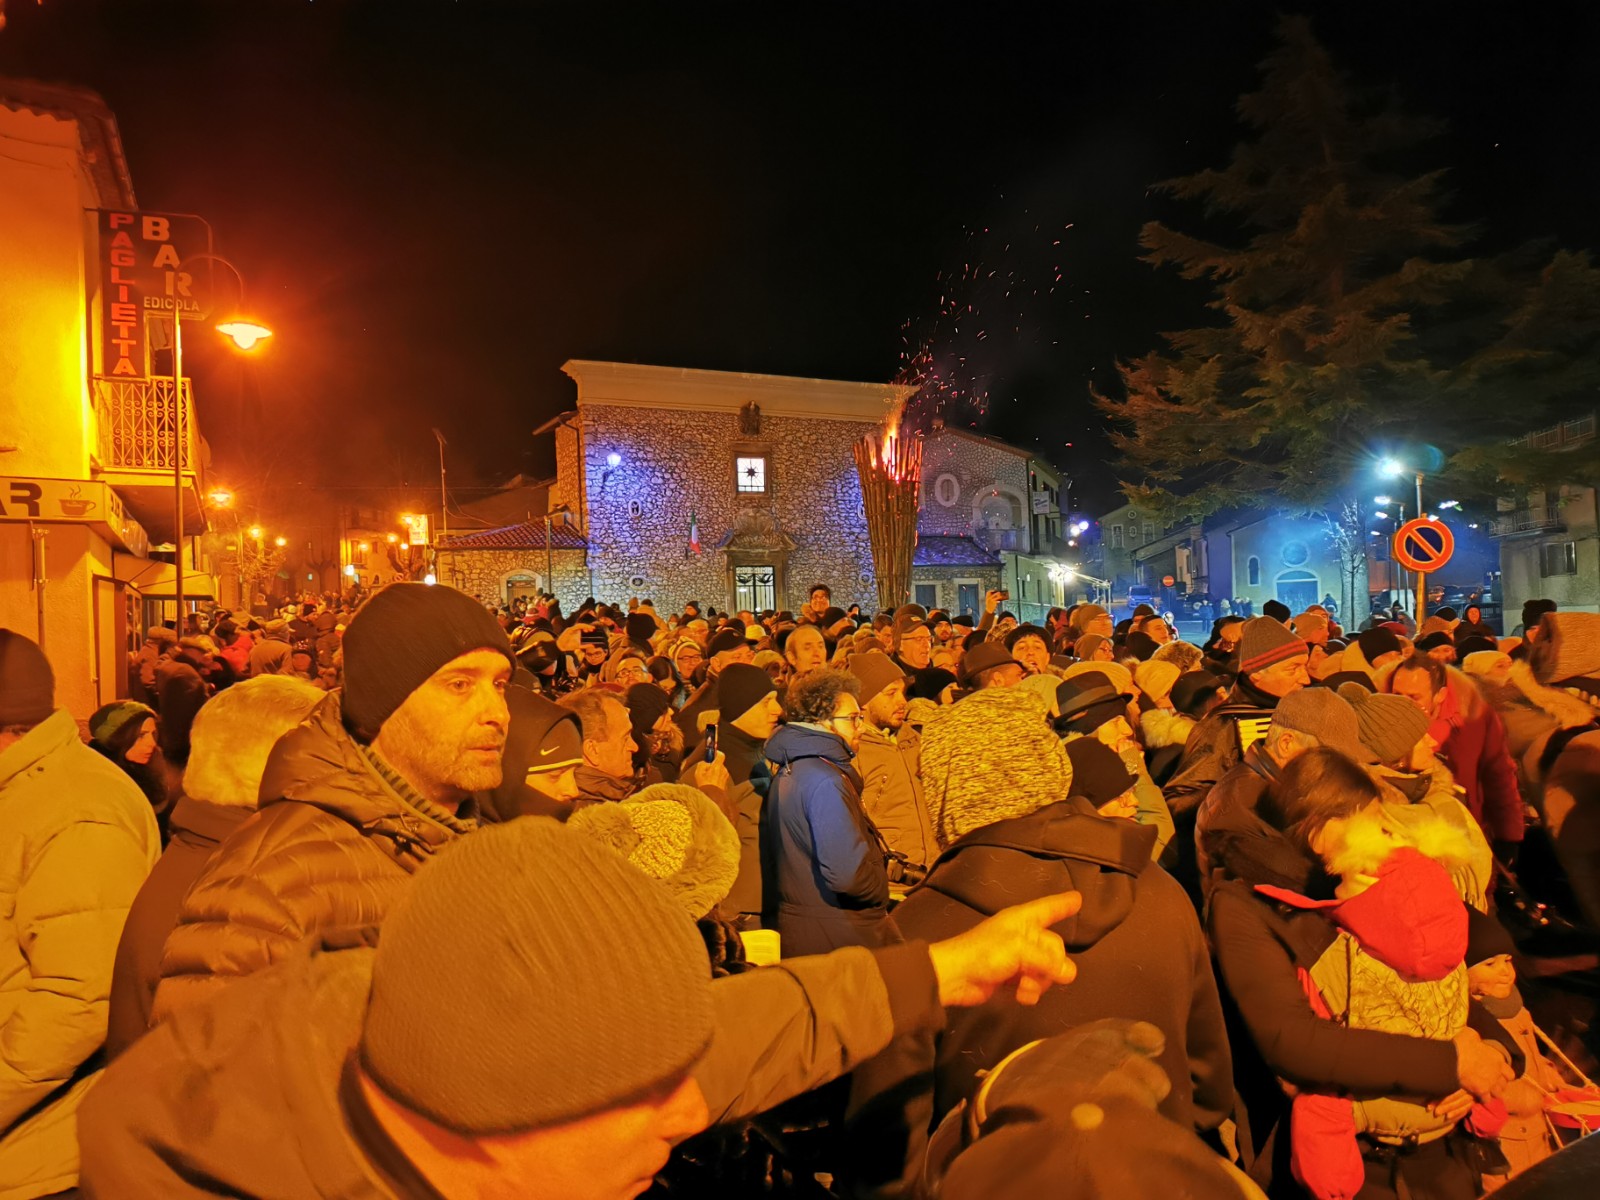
(631, 385)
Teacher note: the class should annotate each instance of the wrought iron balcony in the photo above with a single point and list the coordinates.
(133, 421)
(1544, 519)
(1568, 433)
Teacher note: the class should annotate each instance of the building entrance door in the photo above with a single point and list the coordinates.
(754, 588)
(967, 599)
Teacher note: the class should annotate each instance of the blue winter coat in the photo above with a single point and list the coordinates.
(823, 878)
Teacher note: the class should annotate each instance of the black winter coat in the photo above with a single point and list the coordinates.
(1139, 952)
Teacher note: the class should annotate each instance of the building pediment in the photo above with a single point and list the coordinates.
(756, 532)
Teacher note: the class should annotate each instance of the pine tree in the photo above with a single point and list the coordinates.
(1348, 321)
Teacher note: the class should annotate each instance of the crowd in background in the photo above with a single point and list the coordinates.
(416, 897)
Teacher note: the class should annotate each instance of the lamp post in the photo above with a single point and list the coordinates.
(1394, 469)
(245, 335)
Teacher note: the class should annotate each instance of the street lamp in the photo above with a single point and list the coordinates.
(255, 532)
(280, 543)
(1393, 468)
(245, 334)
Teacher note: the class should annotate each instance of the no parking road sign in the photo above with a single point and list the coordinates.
(1424, 544)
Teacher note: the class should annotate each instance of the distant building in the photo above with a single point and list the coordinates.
(991, 517)
(735, 490)
(1550, 537)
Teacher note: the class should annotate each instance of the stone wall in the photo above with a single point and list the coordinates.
(981, 473)
(675, 463)
(482, 573)
(945, 579)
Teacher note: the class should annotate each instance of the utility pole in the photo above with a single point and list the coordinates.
(444, 507)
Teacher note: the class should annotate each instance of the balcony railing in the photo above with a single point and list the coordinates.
(1568, 433)
(133, 419)
(1529, 520)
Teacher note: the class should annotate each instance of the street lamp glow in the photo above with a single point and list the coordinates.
(1449, 504)
(1392, 468)
(350, 570)
(393, 538)
(1382, 500)
(220, 497)
(1382, 516)
(280, 542)
(365, 547)
(613, 460)
(255, 532)
(245, 334)
(430, 579)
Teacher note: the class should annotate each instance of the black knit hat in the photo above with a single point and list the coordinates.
(1192, 689)
(594, 637)
(740, 688)
(646, 702)
(27, 684)
(1375, 643)
(1532, 610)
(1098, 773)
(726, 639)
(641, 627)
(1433, 641)
(401, 636)
(1277, 610)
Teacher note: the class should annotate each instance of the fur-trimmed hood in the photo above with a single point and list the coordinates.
(673, 833)
(1161, 727)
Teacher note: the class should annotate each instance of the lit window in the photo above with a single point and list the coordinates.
(751, 473)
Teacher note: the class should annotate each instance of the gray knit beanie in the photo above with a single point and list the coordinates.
(1322, 714)
(530, 976)
(988, 758)
(1390, 725)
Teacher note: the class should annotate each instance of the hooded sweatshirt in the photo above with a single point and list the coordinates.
(1139, 953)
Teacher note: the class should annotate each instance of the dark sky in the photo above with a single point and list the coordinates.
(436, 204)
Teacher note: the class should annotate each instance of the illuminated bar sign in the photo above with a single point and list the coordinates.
(142, 271)
(416, 525)
(72, 501)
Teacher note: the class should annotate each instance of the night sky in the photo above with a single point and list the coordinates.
(436, 204)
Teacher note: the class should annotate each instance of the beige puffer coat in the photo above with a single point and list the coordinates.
(77, 839)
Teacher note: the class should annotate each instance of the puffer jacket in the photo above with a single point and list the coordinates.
(77, 839)
(824, 882)
(891, 791)
(334, 845)
(1139, 952)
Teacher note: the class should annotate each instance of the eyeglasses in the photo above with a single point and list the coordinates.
(854, 718)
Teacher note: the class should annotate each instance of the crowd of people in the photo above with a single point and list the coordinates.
(415, 897)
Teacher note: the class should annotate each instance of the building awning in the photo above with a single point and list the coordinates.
(158, 580)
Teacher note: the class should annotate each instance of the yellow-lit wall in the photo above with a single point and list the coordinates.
(44, 394)
(45, 419)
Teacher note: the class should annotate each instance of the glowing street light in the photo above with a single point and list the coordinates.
(1382, 516)
(220, 497)
(245, 334)
(393, 538)
(1382, 500)
(350, 570)
(613, 460)
(255, 532)
(1391, 468)
(280, 542)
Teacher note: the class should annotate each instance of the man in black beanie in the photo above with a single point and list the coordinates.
(355, 800)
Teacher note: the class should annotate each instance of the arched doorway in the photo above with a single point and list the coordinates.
(1299, 590)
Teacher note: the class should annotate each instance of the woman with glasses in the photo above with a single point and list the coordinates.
(824, 878)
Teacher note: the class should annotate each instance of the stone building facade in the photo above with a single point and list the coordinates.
(735, 490)
(991, 517)
(499, 565)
